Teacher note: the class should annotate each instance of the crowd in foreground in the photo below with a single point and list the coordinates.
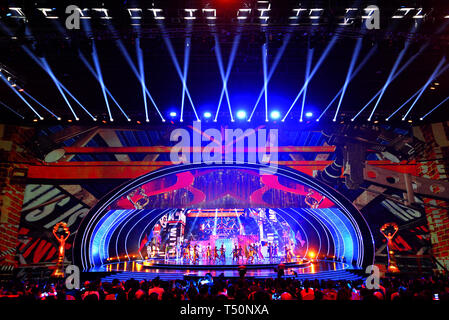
(241, 289)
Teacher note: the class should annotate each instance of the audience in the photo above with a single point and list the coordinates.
(222, 289)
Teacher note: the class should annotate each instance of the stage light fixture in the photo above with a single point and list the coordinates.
(275, 115)
(309, 114)
(241, 114)
(207, 114)
(173, 114)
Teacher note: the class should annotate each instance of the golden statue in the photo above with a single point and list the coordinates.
(388, 233)
(61, 237)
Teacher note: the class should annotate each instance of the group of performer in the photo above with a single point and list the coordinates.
(194, 253)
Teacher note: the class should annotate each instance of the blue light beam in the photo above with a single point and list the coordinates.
(353, 75)
(174, 59)
(35, 100)
(440, 104)
(100, 78)
(224, 89)
(307, 75)
(265, 77)
(405, 66)
(223, 77)
(20, 96)
(273, 67)
(312, 74)
(133, 67)
(431, 78)
(390, 77)
(355, 55)
(413, 96)
(11, 109)
(92, 71)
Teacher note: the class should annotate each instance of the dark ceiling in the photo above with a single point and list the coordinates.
(48, 39)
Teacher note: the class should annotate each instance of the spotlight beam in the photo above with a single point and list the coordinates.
(409, 61)
(389, 79)
(131, 64)
(435, 108)
(20, 96)
(185, 71)
(431, 78)
(353, 75)
(42, 63)
(224, 90)
(100, 78)
(314, 70)
(76, 100)
(92, 71)
(307, 75)
(355, 55)
(265, 83)
(35, 100)
(413, 96)
(223, 77)
(172, 53)
(142, 77)
(11, 109)
(273, 67)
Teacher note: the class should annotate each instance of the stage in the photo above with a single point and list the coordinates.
(227, 264)
(321, 270)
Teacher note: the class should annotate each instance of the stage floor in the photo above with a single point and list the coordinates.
(316, 270)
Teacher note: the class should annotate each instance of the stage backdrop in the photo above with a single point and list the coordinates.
(45, 205)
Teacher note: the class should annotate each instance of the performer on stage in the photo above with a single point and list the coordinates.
(195, 254)
(186, 256)
(148, 251)
(208, 253)
(240, 252)
(270, 251)
(250, 258)
(223, 253)
(178, 251)
(275, 250)
(288, 254)
(215, 253)
(235, 254)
